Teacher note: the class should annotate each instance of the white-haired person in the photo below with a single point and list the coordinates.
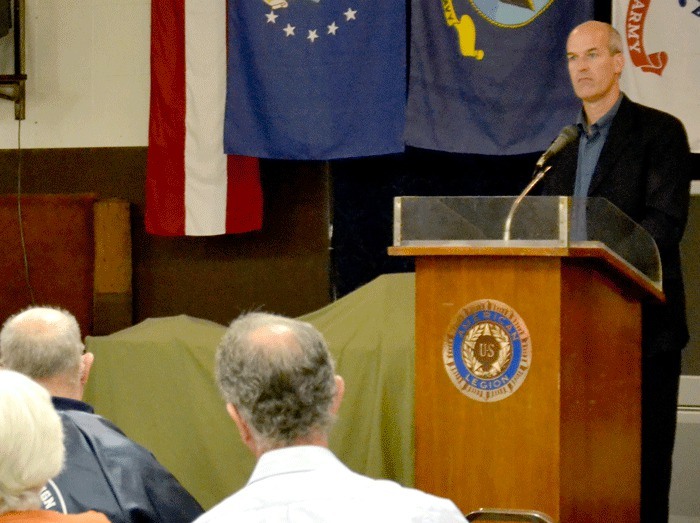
(279, 384)
(31, 452)
(104, 470)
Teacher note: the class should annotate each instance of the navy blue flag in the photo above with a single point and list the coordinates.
(490, 76)
(315, 79)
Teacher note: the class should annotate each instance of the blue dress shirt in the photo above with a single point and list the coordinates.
(589, 147)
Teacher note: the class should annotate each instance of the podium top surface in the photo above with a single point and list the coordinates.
(536, 226)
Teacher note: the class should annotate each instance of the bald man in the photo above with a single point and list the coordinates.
(104, 470)
(638, 158)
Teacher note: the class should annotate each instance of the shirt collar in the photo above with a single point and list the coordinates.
(294, 459)
(603, 122)
(60, 403)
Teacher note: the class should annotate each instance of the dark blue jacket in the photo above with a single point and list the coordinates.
(107, 472)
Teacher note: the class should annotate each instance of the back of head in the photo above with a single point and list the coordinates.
(31, 441)
(41, 342)
(279, 375)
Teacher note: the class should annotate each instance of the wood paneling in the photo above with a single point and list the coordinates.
(566, 442)
(600, 398)
(112, 301)
(282, 268)
(48, 255)
(496, 454)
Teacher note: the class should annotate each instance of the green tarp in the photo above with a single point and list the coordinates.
(155, 380)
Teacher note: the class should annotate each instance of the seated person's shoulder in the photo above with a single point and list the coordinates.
(107, 434)
(352, 499)
(418, 505)
(91, 437)
(85, 517)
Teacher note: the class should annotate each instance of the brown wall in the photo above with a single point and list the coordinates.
(283, 268)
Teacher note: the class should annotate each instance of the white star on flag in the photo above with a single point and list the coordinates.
(312, 35)
(350, 14)
(332, 28)
(289, 30)
(271, 17)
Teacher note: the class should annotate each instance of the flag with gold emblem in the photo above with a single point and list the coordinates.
(490, 76)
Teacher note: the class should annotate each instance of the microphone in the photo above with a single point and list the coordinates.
(567, 135)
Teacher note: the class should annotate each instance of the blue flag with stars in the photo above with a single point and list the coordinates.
(490, 76)
(315, 79)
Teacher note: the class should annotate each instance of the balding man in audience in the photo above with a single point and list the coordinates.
(105, 470)
(280, 388)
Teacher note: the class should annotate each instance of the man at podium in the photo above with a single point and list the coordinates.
(639, 159)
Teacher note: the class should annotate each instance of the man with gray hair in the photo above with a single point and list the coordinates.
(105, 470)
(278, 380)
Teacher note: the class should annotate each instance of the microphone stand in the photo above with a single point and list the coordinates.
(539, 174)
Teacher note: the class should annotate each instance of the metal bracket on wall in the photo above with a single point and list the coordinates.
(12, 85)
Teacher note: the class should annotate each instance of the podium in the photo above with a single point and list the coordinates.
(528, 352)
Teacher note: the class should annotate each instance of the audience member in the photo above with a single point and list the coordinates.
(31, 452)
(278, 380)
(105, 470)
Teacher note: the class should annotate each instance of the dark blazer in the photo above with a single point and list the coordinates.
(644, 169)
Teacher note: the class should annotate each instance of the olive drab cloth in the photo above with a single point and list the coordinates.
(155, 380)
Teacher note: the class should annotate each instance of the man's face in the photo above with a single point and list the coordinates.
(593, 70)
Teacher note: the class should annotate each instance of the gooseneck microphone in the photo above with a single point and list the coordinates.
(567, 135)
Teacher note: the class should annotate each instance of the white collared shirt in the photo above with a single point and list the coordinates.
(310, 484)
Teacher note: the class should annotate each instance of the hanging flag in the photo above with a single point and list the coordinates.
(315, 79)
(192, 187)
(662, 68)
(490, 76)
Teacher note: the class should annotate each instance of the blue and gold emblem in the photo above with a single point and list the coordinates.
(510, 14)
(487, 350)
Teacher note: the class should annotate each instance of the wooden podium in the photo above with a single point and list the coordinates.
(528, 360)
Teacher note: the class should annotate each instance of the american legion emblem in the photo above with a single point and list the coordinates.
(487, 350)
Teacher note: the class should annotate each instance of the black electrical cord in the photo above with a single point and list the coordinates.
(20, 223)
